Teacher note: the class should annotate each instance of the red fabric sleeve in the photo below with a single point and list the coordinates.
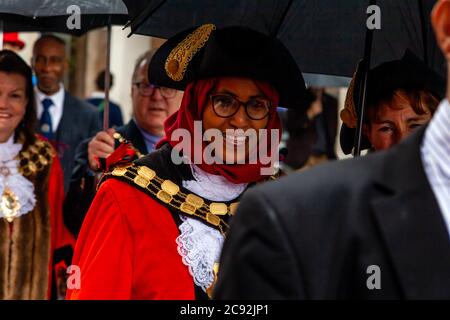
(61, 236)
(103, 251)
(127, 249)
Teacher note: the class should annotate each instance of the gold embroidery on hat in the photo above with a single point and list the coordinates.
(182, 54)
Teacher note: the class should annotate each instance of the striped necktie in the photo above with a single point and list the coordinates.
(46, 119)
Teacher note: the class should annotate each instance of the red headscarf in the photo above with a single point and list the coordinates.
(194, 101)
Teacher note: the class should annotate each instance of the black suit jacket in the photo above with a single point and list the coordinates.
(83, 183)
(79, 121)
(312, 235)
(131, 132)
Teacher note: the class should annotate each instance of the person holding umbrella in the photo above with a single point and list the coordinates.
(35, 246)
(402, 95)
(376, 227)
(156, 227)
(151, 106)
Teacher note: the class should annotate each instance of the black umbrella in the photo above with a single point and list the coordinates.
(325, 37)
(55, 16)
(74, 17)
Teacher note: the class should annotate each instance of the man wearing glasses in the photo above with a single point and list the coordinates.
(151, 106)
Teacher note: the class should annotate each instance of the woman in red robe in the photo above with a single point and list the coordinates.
(35, 247)
(156, 227)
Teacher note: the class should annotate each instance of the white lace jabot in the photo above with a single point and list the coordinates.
(10, 177)
(199, 244)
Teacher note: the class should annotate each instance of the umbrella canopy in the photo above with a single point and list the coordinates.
(325, 37)
(52, 16)
(58, 16)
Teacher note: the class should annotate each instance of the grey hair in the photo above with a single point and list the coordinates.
(142, 60)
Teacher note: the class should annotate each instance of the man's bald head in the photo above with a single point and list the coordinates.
(49, 38)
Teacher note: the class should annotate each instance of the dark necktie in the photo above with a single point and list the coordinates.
(46, 119)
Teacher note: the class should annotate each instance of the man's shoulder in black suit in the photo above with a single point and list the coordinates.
(83, 107)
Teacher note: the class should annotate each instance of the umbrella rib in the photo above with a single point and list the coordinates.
(140, 19)
(424, 31)
(362, 99)
(286, 10)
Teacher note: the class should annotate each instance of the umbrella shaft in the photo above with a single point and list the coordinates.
(1, 34)
(107, 78)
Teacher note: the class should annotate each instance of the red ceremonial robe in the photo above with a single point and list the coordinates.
(61, 237)
(126, 254)
(36, 247)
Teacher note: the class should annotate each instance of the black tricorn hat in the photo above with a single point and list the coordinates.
(409, 73)
(206, 52)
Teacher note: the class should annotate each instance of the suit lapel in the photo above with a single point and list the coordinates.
(67, 116)
(412, 225)
(136, 137)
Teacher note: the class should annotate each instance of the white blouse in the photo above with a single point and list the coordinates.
(11, 180)
(199, 244)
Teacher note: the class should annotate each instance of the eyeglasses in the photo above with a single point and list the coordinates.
(146, 89)
(226, 106)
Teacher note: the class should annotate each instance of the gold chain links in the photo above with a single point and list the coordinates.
(169, 192)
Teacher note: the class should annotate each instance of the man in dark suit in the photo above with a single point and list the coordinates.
(63, 119)
(370, 228)
(151, 106)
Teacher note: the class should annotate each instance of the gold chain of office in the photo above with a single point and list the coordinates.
(170, 193)
(35, 158)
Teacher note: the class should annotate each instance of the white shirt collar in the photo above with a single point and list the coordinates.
(437, 139)
(435, 154)
(57, 97)
(213, 187)
(98, 94)
(9, 149)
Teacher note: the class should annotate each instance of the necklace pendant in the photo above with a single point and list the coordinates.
(9, 204)
(4, 171)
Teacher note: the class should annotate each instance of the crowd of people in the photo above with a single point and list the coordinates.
(187, 199)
